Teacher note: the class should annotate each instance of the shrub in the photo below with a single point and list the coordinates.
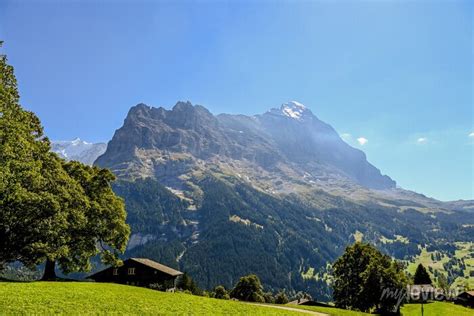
(281, 298)
(268, 296)
(221, 293)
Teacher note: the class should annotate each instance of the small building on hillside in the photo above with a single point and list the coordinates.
(139, 272)
(308, 302)
(466, 299)
(300, 301)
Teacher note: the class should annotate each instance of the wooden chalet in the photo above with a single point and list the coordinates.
(465, 299)
(139, 272)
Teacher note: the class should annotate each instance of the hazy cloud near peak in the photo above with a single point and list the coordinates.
(362, 141)
(347, 137)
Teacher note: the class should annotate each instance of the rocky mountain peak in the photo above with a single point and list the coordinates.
(293, 110)
(285, 138)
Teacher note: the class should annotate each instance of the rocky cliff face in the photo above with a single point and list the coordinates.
(286, 142)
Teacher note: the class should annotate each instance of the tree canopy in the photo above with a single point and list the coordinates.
(221, 293)
(51, 211)
(186, 283)
(249, 288)
(362, 277)
(281, 298)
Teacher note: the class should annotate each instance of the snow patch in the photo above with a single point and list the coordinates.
(293, 109)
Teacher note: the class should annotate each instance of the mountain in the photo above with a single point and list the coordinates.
(78, 149)
(285, 142)
(278, 194)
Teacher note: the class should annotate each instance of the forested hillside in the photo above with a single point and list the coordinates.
(237, 230)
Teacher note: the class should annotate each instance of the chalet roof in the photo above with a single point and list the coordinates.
(299, 302)
(471, 293)
(147, 262)
(157, 266)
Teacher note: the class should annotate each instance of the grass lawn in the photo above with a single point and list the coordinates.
(430, 309)
(99, 298)
(330, 310)
(436, 309)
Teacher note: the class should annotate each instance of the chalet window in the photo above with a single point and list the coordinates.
(131, 271)
(115, 271)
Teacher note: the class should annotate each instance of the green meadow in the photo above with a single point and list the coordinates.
(46, 298)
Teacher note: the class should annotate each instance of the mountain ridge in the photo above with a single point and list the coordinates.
(194, 130)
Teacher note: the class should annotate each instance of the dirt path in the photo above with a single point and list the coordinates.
(304, 311)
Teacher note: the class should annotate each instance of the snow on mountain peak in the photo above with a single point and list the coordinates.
(293, 109)
(78, 149)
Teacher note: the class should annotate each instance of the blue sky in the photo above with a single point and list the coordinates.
(396, 73)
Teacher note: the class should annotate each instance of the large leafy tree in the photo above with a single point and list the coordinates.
(421, 275)
(249, 288)
(47, 214)
(34, 189)
(363, 277)
(105, 231)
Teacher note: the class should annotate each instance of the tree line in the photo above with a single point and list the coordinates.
(364, 279)
(249, 288)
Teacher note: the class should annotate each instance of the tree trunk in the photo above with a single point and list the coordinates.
(49, 271)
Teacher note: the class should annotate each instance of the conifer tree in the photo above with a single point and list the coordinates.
(421, 275)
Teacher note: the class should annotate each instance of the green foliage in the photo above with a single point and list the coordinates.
(269, 298)
(361, 275)
(84, 298)
(186, 283)
(221, 293)
(421, 276)
(249, 288)
(149, 205)
(105, 232)
(50, 210)
(443, 283)
(38, 200)
(18, 272)
(281, 298)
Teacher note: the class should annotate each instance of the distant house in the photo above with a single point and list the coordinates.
(466, 299)
(139, 272)
(300, 301)
(308, 302)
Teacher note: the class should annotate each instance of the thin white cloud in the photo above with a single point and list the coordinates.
(362, 141)
(471, 135)
(422, 140)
